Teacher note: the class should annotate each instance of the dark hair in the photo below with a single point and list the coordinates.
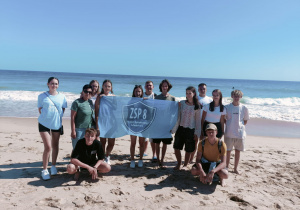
(86, 86)
(165, 81)
(202, 84)
(91, 82)
(136, 87)
(195, 99)
(105, 81)
(212, 104)
(52, 78)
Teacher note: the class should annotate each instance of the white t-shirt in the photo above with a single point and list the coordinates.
(151, 96)
(204, 100)
(214, 116)
(235, 116)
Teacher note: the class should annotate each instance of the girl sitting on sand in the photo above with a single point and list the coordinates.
(188, 127)
(51, 106)
(107, 90)
(137, 92)
(214, 112)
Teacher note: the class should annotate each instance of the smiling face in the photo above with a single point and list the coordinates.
(95, 87)
(216, 97)
(202, 90)
(53, 85)
(107, 88)
(189, 95)
(138, 92)
(164, 88)
(89, 138)
(211, 134)
(86, 94)
(149, 88)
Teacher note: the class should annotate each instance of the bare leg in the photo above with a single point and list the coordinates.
(73, 169)
(163, 153)
(178, 158)
(193, 153)
(55, 146)
(47, 148)
(110, 146)
(132, 146)
(223, 174)
(104, 168)
(142, 143)
(236, 161)
(145, 146)
(103, 142)
(157, 150)
(153, 149)
(228, 158)
(187, 158)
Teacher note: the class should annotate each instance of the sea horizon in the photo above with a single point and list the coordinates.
(265, 99)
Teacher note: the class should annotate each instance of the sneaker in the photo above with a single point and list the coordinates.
(107, 160)
(132, 164)
(140, 163)
(53, 170)
(45, 175)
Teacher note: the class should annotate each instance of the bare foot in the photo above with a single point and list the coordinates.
(76, 176)
(222, 182)
(237, 172)
(178, 167)
(161, 165)
(185, 168)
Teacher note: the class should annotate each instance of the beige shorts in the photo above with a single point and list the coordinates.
(238, 144)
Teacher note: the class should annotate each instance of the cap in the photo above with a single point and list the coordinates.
(211, 126)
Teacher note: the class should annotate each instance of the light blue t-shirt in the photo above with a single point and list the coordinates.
(50, 117)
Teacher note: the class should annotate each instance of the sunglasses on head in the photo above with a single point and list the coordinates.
(87, 92)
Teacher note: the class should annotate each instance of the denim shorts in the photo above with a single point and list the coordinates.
(80, 132)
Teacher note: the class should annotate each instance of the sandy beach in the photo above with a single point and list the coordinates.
(270, 179)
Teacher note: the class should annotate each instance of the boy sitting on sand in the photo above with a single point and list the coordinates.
(236, 118)
(211, 158)
(88, 154)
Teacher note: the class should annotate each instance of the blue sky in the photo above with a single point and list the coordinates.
(234, 39)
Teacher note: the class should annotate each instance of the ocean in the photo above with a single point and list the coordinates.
(273, 100)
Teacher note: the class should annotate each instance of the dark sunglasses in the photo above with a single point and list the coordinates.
(87, 92)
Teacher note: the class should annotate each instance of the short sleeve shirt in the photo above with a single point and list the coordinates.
(211, 152)
(235, 116)
(215, 116)
(88, 154)
(51, 116)
(204, 100)
(84, 110)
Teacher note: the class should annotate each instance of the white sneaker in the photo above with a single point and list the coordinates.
(45, 175)
(53, 170)
(140, 163)
(107, 160)
(132, 164)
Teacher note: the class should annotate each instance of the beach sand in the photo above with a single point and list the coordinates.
(270, 179)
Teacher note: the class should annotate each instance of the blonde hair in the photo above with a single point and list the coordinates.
(237, 93)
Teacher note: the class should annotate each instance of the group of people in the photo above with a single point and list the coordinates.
(199, 118)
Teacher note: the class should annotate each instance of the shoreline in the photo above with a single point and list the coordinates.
(255, 127)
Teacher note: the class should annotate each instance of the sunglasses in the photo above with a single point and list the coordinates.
(87, 92)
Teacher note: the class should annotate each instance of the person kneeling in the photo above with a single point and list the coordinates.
(88, 154)
(211, 158)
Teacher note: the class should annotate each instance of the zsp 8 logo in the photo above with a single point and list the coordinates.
(138, 116)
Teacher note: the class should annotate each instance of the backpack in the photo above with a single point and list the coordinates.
(220, 143)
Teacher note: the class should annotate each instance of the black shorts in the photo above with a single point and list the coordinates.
(165, 141)
(45, 129)
(218, 124)
(184, 136)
